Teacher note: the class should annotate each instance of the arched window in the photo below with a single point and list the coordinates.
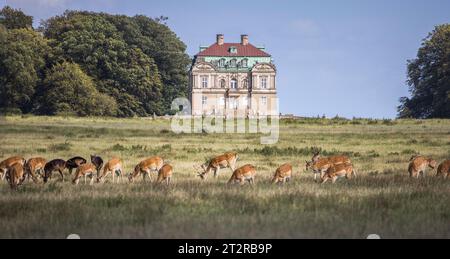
(222, 83)
(233, 63)
(234, 84)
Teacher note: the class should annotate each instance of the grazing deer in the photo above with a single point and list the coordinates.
(54, 165)
(419, 164)
(114, 167)
(243, 174)
(153, 164)
(338, 171)
(16, 175)
(74, 163)
(444, 169)
(34, 167)
(227, 160)
(165, 174)
(321, 165)
(7, 163)
(85, 170)
(283, 174)
(337, 159)
(98, 162)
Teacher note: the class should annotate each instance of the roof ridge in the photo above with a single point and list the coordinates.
(248, 50)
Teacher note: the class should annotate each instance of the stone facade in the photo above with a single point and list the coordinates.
(225, 82)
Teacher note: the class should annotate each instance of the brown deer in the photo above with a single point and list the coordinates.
(243, 174)
(16, 175)
(74, 163)
(338, 171)
(419, 164)
(114, 167)
(320, 165)
(35, 167)
(85, 170)
(7, 163)
(98, 162)
(444, 169)
(54, 165)
(146, 167)
(283, 174)
(227, 160)
(165, 174)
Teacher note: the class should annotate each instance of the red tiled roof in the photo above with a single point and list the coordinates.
(217, 50)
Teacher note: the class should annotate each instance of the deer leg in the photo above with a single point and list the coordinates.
(334, 180)
(216, 172)
(62, 175)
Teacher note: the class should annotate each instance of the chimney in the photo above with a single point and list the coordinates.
(220, 39)
(244, 39)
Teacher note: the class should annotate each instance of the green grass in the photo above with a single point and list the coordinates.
(382, 200)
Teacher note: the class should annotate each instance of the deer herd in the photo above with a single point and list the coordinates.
(16, 170)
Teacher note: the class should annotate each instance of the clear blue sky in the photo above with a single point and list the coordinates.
(344, 57)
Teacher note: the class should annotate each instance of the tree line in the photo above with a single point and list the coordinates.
(90, 64)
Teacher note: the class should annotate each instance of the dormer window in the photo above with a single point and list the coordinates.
(244, 63)
(222, 63)
(233, 50)
(233, 63)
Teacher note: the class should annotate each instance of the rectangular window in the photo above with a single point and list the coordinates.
(222, 101)
(204, 100)
(263, 82)
(264, 100)
(204, 81)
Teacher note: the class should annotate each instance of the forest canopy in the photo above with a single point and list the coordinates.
(128, 66)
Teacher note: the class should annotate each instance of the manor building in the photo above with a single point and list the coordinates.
(233, 78)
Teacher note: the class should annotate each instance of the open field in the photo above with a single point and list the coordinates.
(382, 200)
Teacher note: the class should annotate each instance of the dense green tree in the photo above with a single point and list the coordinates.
(23, 56)
(67, 89)
(15, 19)
(138, 61)
(123, 55)
(156, 40)
(429, 78)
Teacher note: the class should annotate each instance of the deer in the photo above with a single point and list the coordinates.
(34, 167)
(336, 159)
(146, 167)
(54, 165)
(444, 169)
(98, 162)
(165, 174)
(7, 163)
(320, 165)
(114, 167)
(283, 174)
(85, 170)
(419, 164)
(227, 160)
(74, 163)
(337, 171)
(16, 175)
(243, 174)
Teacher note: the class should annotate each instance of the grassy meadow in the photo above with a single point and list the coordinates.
(382, 200)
